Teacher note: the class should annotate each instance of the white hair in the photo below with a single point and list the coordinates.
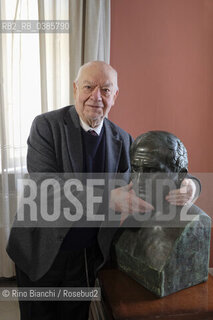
(100, 63)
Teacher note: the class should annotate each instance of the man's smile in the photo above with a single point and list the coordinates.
(94, 106)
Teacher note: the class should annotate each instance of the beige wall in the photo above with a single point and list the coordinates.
(163, 51)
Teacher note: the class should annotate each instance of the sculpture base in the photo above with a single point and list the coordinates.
(166, 260)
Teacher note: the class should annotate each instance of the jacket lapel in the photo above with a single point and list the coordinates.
(113, 148)
(74, 140)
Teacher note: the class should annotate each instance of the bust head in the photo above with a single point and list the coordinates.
(157, 154)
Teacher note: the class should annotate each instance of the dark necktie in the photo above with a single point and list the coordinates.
(93, 133)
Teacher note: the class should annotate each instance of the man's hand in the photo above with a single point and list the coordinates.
(125, 201)
(184, 195)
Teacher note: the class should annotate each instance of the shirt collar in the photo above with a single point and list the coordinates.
(85, 126)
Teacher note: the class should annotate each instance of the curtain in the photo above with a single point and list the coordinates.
(37, 71)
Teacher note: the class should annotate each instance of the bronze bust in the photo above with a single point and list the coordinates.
(157, 155)
(164, 258)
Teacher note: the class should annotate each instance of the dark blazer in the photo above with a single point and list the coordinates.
(55, 145)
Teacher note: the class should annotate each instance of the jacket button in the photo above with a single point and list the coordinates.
(60, 238)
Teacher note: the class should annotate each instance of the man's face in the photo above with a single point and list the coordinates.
(95, 93)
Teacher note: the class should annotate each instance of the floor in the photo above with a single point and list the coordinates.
(9, 310)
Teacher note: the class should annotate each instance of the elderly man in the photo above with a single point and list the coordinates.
(74, 139)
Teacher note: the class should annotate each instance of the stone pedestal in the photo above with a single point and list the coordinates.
(166, 259)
